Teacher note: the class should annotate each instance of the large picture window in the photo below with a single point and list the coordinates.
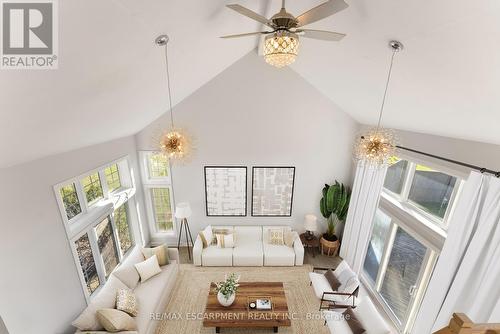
(405, 242)
(98, 221)
(157, 182)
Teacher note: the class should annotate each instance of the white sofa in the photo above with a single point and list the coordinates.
(152, 295)
(251, 249)
(365, 312)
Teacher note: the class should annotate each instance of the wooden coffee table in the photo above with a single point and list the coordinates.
(239, 315)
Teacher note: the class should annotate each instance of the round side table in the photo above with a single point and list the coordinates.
(312, 244)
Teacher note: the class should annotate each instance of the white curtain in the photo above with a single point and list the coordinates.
(365, 195)
(466, 277)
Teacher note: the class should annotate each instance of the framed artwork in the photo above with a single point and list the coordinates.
(272, 191)
(226, 191)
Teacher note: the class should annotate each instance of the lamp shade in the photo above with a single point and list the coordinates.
(183, 210)
(311, 223)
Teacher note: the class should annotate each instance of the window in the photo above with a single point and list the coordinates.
(92, 188)
(101, 225)
(158, 165)
(162, 208)
(157, 184)
(395, 263)
(107, 245)
(112, 177)
(70, 200)
(87, 263)
(432, 190)
(395, 176)
(122, 225)
(421, 188)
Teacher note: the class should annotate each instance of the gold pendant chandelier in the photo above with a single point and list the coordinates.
(378, 144)
(175, 143)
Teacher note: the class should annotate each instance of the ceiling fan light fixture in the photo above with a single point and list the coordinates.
(281, 48)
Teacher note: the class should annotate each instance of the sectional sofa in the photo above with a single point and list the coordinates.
(251, 249)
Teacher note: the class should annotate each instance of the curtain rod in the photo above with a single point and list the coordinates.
(481, 169)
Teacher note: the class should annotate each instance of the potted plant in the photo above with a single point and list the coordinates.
(333, 206)
(226, 290)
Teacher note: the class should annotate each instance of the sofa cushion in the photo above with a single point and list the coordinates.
(214, 256)
(148, 268)
(128, 275)
(278, 255)
(115, 321)
(340, 268)
(134, 256)
(248, 254)
(150, 293)
(161, 253)
(127, 302)
(265, 231)
(369, 316)
(105, 298)
(247, 235)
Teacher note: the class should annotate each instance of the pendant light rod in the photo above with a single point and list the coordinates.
(396, 47)
(163, 40)
(282, 4)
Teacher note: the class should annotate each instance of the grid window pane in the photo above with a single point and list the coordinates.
(113, 177)
(396, 171)
(432, 190)
(401, 275)
(123, 227)
(70, 200)
(380, 232)
(158, 165)
(92, 188)
(162, 208)
(107, 245)
(87, 263)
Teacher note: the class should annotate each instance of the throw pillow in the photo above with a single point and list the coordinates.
(332, 280)
(148, 268)
(161, 253)
(276, 236)
(128, 275)
(126, 302)
(106, 298)
(290, 238)
(206, 236)
(225, 240)
(353, 322)
(115, 321)
(218, 231)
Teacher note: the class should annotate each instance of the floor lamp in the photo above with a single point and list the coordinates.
(183, 212)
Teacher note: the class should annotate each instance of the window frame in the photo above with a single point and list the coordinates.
(156, 182)
(408, 205)
(91, 216)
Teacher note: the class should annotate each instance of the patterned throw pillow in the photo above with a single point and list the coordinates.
(276, 236)
(225, 240)
(126, 302)
(161, 253)
(115, 321)
(218, 231)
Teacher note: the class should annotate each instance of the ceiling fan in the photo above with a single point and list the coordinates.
(282, 42)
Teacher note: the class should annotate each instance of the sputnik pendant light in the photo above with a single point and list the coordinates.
(378, 144)
(174, 143)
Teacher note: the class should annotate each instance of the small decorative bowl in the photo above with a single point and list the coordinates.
(252, 305)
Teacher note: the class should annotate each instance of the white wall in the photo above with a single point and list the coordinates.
(40, 291)
(253, 114)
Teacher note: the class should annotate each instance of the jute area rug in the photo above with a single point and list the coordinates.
(191, 290)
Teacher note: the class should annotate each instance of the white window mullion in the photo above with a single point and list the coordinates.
(410, 174)
(117, 237)
(104, 183)
(99, 262)
(384, 261)
(81, 196)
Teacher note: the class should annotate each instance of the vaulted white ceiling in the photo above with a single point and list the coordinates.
(111, 77)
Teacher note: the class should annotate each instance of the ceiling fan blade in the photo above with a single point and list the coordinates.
(321, 34)
(247, 34)
(320, 12)
(251, 14)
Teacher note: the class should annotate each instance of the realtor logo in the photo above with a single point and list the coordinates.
(29, 34)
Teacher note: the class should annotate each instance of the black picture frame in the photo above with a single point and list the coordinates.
(206, 190)
(253, 186)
